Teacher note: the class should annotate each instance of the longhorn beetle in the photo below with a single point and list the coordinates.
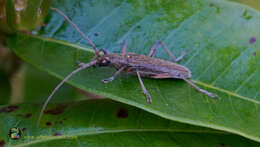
(139, 65)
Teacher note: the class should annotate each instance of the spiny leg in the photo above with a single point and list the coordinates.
(155, 46)
(199, 89)
(120, 69)
(114, 75)
(80, 64)
(181, 56)
(123, 47)
(148, 97)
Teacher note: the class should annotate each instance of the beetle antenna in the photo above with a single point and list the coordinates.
(75, 26)
(83, 66)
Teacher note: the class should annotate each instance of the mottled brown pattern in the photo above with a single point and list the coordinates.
(148, 66)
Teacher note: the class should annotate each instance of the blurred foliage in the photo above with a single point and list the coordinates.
(5, 88)
(22, 15)
(251, 3)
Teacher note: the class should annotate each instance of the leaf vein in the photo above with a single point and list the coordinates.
(228, 66)
(246, 80)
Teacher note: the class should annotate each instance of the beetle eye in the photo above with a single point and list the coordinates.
(104, 62)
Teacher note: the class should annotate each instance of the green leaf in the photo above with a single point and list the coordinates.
(38, 84)
(223, 55)
(86, 123)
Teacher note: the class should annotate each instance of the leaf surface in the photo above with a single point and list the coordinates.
(86, 123)
(222, 40)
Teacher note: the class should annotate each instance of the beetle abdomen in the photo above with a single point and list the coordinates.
(157, 68)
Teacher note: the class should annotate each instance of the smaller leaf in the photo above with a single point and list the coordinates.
(106, 123)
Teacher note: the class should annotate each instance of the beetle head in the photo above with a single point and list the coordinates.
(102, 58)
(103, 61)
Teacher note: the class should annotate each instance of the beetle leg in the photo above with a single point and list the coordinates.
(124, 47)
(80, 64)
(153, 49)
(148, 97)
(199, 89)
(114, 75)
(155, 46)
(181, 56)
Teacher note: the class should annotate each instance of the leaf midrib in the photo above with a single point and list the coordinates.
(88, 133)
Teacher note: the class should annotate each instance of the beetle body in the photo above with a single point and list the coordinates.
(139, 65)
(147, 66)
